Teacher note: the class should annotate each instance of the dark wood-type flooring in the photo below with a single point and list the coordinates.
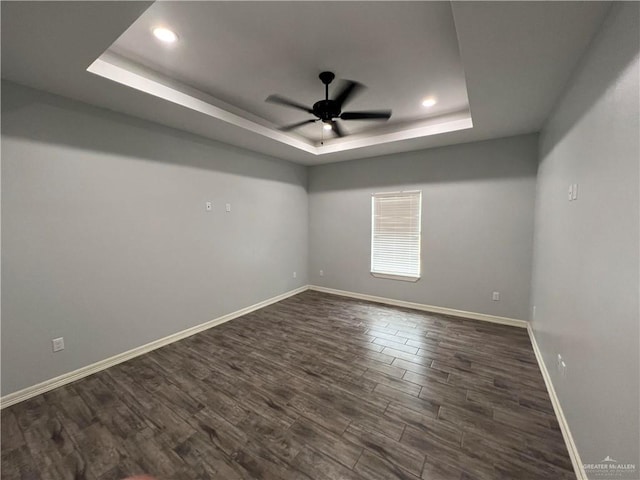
(314, 387)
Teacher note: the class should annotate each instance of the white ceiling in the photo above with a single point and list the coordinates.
(240, 53)
(506, 61)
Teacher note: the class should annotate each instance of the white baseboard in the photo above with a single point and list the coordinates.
(427, 308)
(578, 467)
(69, 377)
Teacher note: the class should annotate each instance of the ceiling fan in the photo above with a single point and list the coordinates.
(327, 110)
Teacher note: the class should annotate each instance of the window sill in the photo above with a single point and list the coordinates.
(402, 278)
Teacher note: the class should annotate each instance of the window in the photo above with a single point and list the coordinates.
(395, 235)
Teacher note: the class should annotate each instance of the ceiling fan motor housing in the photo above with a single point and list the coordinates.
(326, 110)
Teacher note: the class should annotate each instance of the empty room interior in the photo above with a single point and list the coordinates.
(320, 240)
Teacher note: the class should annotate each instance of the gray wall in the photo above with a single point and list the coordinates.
(477, 224)
(105, 237)
(585, 283)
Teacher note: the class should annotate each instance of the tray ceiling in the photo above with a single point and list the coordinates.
(233, 55)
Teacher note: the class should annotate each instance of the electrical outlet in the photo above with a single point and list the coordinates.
(575, 192)
(228, 207)
(295, 274)
(322, 273)
(208, 206)
(58, 344)
(496, 296)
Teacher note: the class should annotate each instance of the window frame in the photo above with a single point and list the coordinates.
(395, 276)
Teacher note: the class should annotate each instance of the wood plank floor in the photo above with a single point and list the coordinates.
(314, 387)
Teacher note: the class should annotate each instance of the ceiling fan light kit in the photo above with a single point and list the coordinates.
(330, 110)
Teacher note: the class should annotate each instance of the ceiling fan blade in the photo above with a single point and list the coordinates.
(336, 128)
(349, 89)
(368, 115)
(288, 103)
(287, 128)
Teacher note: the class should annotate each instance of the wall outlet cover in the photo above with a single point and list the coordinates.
(58, 344)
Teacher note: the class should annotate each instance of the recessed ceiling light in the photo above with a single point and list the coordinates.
(429, 102)
(165, 34)
(327, 126)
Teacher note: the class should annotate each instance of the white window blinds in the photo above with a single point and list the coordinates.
(395, 234)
